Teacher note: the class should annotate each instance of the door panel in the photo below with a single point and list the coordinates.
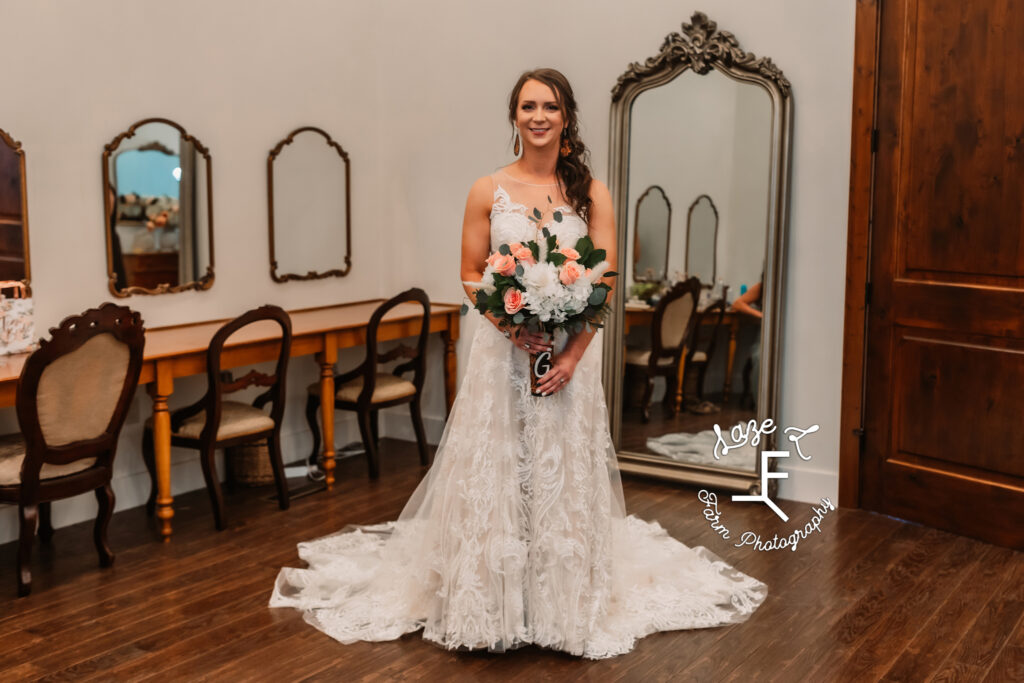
(944, 401)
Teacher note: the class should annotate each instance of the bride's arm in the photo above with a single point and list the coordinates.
(476, 235)
(602, 233)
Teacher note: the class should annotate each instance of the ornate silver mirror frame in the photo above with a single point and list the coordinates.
(701, 47)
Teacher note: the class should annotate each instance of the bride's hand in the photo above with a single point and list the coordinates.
(562, 367)
(531, 342)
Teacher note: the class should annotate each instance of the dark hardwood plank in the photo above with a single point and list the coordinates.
(196, 608)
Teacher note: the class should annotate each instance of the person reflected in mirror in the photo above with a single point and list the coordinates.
(747, 302)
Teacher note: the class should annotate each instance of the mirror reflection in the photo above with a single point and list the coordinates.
(702, 240)
(157, 180)
(692, 335)
(650, 246)
(308, 192)
(13, 215)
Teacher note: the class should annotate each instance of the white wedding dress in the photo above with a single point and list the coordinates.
(517, 534)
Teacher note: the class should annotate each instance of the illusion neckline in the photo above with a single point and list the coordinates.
(509, 175)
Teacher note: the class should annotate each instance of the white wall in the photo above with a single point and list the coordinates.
(416, 93)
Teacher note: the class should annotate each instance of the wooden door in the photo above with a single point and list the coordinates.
(944, 373)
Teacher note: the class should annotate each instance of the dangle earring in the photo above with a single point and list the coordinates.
(515, 146)
(565, 150)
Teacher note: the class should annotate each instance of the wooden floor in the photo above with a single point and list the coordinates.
(869, 598)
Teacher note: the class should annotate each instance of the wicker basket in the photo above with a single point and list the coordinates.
(249, 464)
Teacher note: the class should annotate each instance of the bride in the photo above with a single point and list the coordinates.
(517, 533)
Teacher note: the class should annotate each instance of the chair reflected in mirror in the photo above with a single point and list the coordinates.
(671, 330)
(212, 423)
(366, 390)
(705, 341)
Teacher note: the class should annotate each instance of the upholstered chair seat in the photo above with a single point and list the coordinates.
(236, 419)
(643, 356)
(386, 387)
(12, 453)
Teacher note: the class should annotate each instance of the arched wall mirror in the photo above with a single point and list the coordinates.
(653, 220)
(309, 207)
(702, 240)
(701, 117)
(158, 200)
(14, 260)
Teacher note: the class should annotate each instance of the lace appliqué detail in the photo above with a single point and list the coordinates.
(510, 222)
(518, 533)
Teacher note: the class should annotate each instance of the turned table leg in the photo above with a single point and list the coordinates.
(160, 390)
(679, 380)
(326, 359)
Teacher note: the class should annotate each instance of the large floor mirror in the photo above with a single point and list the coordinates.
(693, 344)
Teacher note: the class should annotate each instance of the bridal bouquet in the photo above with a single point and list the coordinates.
(545, 285)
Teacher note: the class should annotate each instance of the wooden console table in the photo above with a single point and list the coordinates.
(180, 350)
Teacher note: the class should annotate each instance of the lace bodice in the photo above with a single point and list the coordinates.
(514, 202)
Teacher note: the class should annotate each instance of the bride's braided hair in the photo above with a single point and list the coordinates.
(573, 171)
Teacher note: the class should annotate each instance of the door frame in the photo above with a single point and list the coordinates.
(863, 143)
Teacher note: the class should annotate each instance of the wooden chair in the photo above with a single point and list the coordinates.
(705, 340)
(671, 329)
(211, 422)
(366, 390)
(73, 396)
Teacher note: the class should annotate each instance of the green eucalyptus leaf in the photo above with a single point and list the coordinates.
(518, 317)
(519, 270)
(464, 310)
(503, 249)
(610, 273)
(546, 233)
(536, 214)
(558, 216)
(597, 296)
(556, 258)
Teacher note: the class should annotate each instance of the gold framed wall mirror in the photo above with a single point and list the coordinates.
(158, 210)
(309, 207)
(14, 252)
(701, 119)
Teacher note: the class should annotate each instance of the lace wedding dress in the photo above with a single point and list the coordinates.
(517, 534)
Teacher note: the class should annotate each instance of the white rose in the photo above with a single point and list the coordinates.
(540, 276)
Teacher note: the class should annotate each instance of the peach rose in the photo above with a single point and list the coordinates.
(513, 300)
(523, 254)
(570, 253)
(502, 263)
(570, 272)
